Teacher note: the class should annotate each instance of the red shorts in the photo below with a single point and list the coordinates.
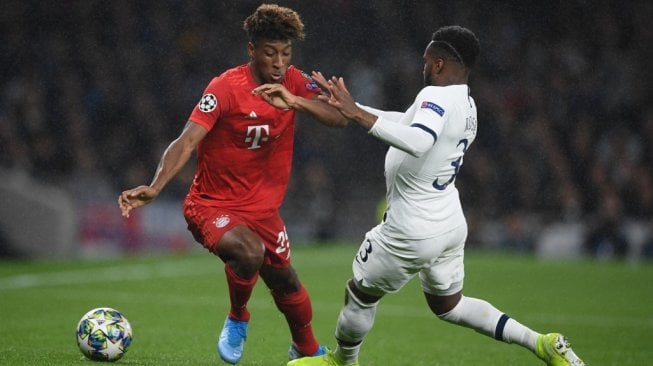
(208, 224)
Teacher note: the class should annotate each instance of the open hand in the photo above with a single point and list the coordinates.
(136, 197)
(339, 97)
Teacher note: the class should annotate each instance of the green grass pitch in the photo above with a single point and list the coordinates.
(177, 304)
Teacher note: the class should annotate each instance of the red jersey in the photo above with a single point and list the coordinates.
(244, 161)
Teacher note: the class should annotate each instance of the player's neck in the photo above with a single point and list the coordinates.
(254, 74)
(459, 77)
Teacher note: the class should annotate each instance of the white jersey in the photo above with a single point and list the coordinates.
(428, 143)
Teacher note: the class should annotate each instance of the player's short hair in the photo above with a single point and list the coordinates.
(460, 42)
(274, 22)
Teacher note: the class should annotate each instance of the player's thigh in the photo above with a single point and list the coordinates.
(377, 270)
(209, 224)
(280, 280)
(445, 274)
(274, 235)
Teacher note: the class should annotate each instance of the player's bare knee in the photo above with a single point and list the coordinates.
(281, 281)
(244, 255)
(290, 285)
(441, 305)
(360, 295)
(251, 256)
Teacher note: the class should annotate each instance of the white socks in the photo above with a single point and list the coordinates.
(486, 319)
(357, 318)
(355, 321)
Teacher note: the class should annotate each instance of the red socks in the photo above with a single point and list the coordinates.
(296, 306)
(240, 290)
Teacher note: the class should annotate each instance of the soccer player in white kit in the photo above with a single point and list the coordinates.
(424, 229)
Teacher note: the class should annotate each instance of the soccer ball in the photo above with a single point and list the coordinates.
(104, 334)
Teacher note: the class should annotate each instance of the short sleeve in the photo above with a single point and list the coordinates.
(213, 103)
(430, 110)
(301, 83)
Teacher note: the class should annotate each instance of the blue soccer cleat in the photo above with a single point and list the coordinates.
(232, 340)
(293, 352)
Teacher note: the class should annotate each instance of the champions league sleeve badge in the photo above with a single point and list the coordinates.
(434, 107)
(208, 103)
(311, 84)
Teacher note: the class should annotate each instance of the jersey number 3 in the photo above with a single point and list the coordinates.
(456, 164)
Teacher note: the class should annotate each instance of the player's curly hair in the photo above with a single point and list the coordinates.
(274, 22)
(460, 42)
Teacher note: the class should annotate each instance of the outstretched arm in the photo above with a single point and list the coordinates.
(391, 115)
(415, 139)
(280, 97)
(341, 99)
(172, 161)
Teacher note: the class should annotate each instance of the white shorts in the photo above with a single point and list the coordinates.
(384, 265)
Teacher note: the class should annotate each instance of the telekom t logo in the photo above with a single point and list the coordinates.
(256, 134)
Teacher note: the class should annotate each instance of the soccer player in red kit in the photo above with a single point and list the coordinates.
(242, 129)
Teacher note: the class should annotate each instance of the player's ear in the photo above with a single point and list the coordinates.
(438, 64)
(250, 49)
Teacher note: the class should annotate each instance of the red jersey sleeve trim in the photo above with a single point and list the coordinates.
(203, 125)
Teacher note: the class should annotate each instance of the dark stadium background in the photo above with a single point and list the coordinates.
(91, 92)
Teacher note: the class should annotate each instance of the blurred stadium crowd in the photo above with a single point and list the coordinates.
(91, 93)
